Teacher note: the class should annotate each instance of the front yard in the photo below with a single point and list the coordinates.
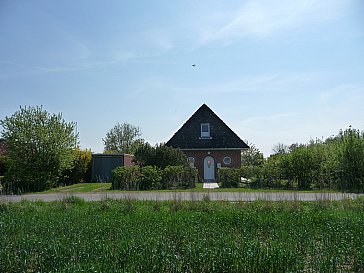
(106, 187)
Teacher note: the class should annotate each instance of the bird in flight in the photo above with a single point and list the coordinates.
(193, 65)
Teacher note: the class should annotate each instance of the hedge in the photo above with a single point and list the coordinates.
(179, 177)
(153, 178)
(229, 177)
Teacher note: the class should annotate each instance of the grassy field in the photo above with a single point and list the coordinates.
(197, 236)
(106, 187)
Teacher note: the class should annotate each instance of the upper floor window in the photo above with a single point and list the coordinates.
(205, 130)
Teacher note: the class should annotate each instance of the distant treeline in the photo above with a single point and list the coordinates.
(335, 163)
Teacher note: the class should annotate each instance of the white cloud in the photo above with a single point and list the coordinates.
(265, 18)
(274, 82)
(337, 108)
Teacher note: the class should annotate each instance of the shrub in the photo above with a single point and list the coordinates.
(150, 178)
(160, 156)
(4, 164)
(81, 170)
(229, 177)
(153, 178)
(40, 147)
(179, 177)
(126, 178)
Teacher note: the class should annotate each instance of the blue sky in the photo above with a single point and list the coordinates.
(274, 71)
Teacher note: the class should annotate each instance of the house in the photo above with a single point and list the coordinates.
(104, 164)
(208, 143)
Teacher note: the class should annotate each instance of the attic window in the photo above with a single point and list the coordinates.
(205, 130)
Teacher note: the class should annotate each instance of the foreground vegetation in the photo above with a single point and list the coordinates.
(199, 236)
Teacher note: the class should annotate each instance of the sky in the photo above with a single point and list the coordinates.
(274, 71)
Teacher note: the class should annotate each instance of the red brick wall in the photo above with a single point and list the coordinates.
(128, 160)
(218, 155)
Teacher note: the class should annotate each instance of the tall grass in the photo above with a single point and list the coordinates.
(177, 236)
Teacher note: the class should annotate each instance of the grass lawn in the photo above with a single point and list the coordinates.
(102, 187)
(82, 187)
(173, 236)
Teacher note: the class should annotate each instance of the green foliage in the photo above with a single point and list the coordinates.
(178, 236)
(153, 178)
(251, 156)
(168, 156)
(126, 178)
(150, 178)
(145, 155)
(350, 159)
(160, 156)
(280, 148)
(2, 147)
(81, 170)
(179, 177)
(4, 164)
(39, 146)
(229, 177)
(337, 163)
(122, 138)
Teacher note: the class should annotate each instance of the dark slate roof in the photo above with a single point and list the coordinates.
(189, 135)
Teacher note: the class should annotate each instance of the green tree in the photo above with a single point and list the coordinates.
(81, 170)
(251, 156)
(39, 146)
(350, 159)
(145, 155)
(160, 156)
(168, 156)
(280, 148)
(122, 138)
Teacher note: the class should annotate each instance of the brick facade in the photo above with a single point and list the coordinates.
(128, 160)
(218, 155)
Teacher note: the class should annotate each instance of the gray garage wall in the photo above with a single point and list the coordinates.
(103, 164)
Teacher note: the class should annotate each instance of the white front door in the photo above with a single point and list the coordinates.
(209, 169)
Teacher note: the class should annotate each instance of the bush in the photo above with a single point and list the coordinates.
(15, 182)
(4, 164)
(150, 178)
(40, 147)
(179, 177)
(160, 156)
(153, 178)
(126, 178)
(81, 170)
(229, 177)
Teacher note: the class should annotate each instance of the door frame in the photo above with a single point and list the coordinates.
(209, 172)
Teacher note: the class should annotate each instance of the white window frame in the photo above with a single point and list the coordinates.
(205, 134)
(227, 158)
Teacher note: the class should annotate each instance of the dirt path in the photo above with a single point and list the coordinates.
(228, 196)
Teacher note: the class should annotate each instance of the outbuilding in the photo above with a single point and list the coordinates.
(104, 164)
